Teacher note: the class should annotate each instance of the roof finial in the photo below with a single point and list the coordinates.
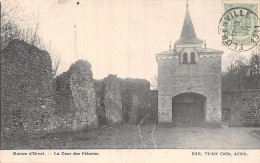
(187, 4)
(205, 44)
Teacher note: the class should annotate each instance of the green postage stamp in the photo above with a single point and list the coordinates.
(239, 26)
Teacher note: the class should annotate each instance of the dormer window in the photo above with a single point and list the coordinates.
(185, 58)
(192, 58)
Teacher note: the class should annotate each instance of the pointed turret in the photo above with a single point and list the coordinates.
(188, 34)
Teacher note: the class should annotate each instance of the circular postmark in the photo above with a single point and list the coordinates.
(239, 29)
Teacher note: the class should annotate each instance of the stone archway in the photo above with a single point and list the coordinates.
(188, 109)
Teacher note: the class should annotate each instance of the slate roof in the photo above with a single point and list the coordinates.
(188, 34)
(209, 50)
(167, 52)
(203, 50)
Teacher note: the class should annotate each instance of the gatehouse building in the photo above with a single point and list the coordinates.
(189, 81)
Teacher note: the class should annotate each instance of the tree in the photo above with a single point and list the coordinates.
(234, 78)
(154, 82)
(242, 73)
(10, 30)
(254, 69)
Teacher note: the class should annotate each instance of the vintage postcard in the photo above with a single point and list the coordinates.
(130, 81)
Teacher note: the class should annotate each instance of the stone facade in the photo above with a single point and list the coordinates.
(27, 104)
(76, 98)
(189, 68)
(241, 108)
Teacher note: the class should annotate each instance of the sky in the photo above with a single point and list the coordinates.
(121, 36)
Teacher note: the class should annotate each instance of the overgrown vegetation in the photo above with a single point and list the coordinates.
(242, 73)
(14, 26)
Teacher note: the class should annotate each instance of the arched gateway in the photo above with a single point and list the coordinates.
(188, 109)
(189, 67)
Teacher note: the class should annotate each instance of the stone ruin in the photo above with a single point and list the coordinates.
(135, 99)
(109, 104)
(32, 102)
(153, 109)
(98, 84)
(76, 98)
(26, 90)
(126, 100)
(112, 99)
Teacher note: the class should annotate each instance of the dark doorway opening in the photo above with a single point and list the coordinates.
(188, 109)
(226, 116)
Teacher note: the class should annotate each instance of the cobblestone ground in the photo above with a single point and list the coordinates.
(127, 136)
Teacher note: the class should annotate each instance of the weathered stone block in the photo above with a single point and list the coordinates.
(76, 97)
(241, 108)
(135, 99)
(112, 99)
(27, 103)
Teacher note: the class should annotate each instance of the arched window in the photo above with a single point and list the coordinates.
(192, 58)
(185, 58)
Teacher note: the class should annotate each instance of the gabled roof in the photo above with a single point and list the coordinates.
(188, 34)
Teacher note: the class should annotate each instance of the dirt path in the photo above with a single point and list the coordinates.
(146, 133)
(127, 137)
(207, 138)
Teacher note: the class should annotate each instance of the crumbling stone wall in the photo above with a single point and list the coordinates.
(26, 89)
(76, 98)
(153, 117)
(109, 103)
(244, 107)
(126, 100)
(101, 112)
(135, 99)
(112, 99)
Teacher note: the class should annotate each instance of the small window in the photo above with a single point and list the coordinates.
(192, 58)
(185, 58)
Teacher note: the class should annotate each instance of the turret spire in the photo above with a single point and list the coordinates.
(188, 34)
(187, 4)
